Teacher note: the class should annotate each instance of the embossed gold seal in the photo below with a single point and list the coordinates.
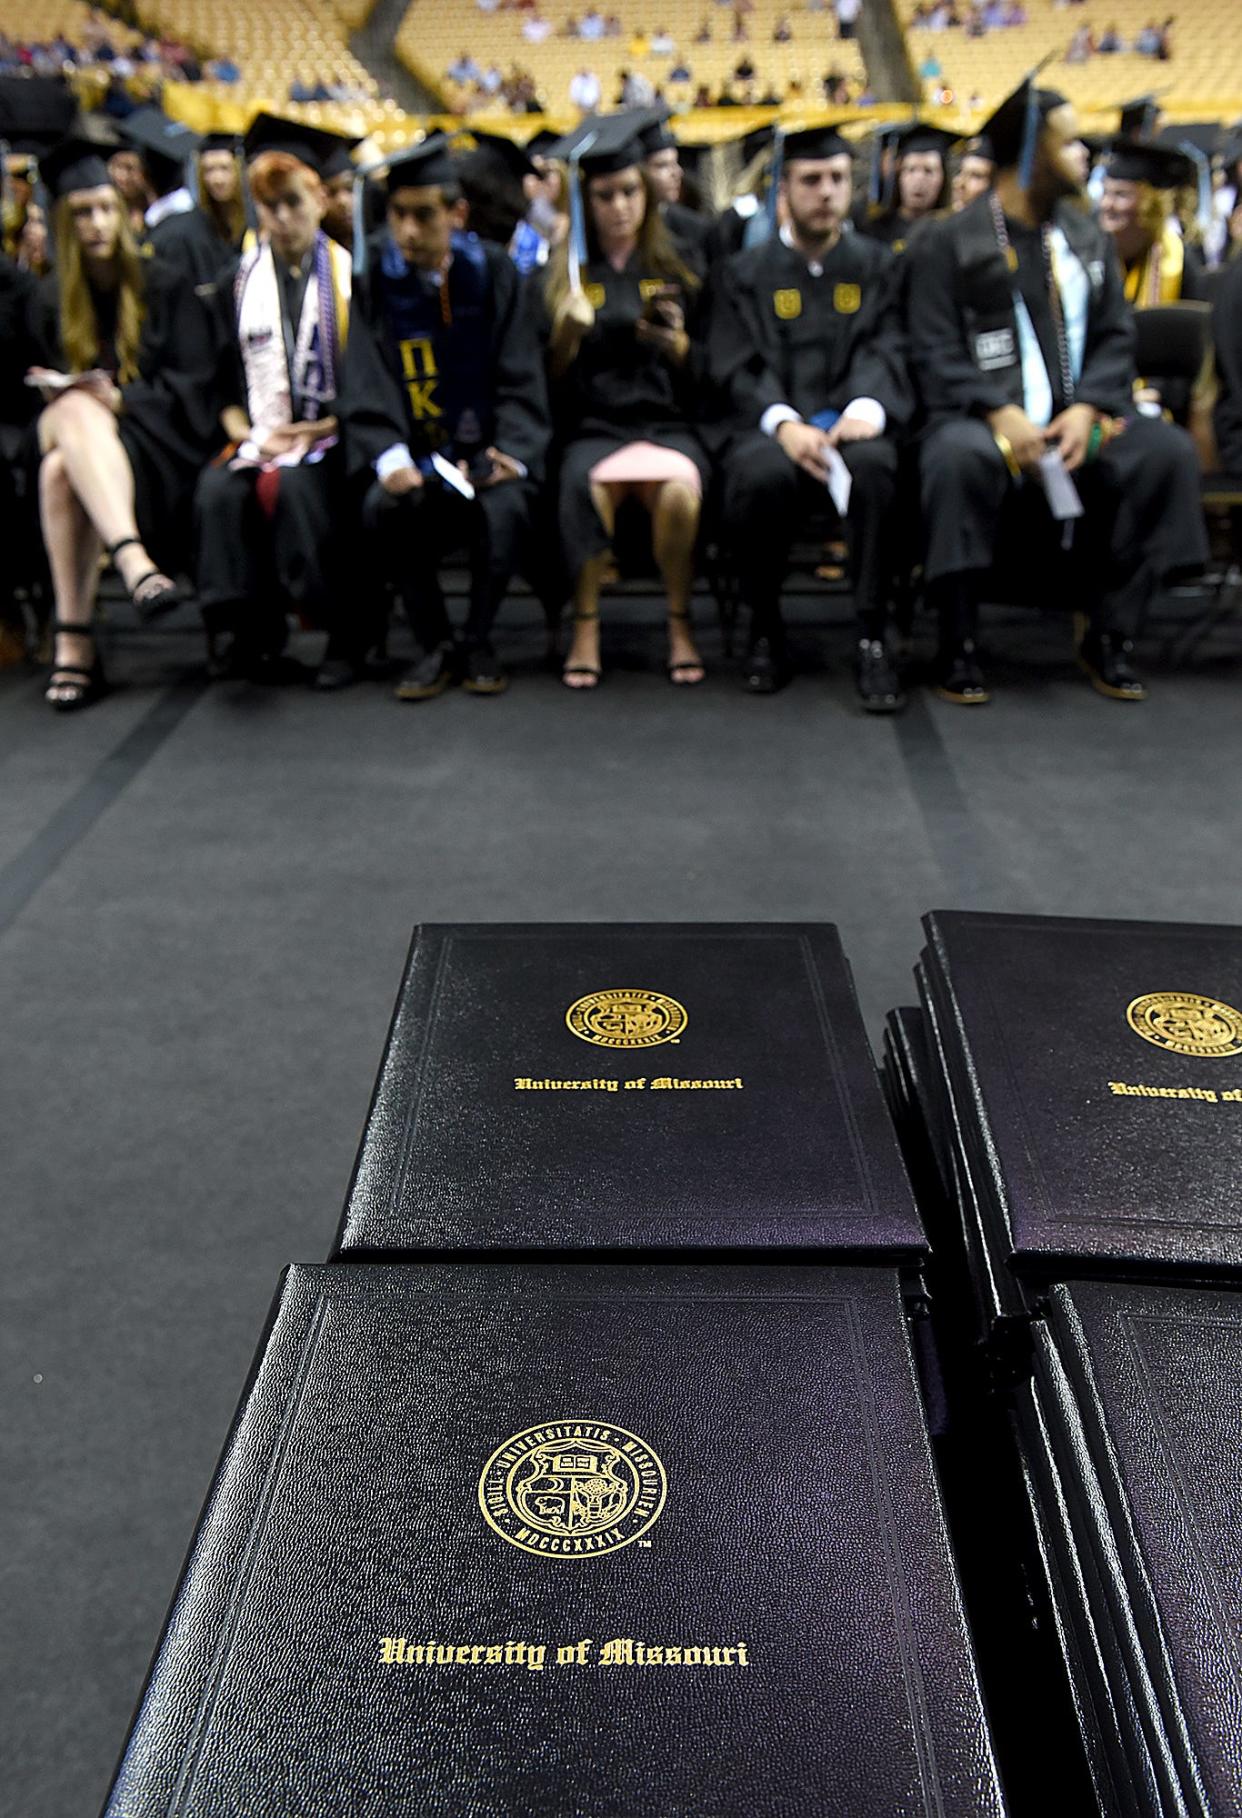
(1182, 1023)
(572, 1489)
(627, 1019)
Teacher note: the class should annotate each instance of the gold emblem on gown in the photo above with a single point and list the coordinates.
(787, 304)
(847, 299)
(1182, 1023)
(626, 1019)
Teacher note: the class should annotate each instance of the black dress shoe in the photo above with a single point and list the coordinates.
(484, 671)
(430, 676)
(1106, 659)
(334, 673)
(879, 688)
(959, 678)
(765, 667)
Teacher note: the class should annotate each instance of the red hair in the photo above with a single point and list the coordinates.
(272, 173)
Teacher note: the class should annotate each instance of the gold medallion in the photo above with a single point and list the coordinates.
(594, 294)
(847, 299)
(787, 304)
(627, 1019)
(1181, 1023)
(572, 1489)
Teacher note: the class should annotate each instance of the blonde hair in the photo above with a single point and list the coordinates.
(79, 327)
(656, 252)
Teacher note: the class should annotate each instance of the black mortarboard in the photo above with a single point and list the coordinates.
(34, 112)
(921, 138)
(540, 144)
(603, 143)
(1205, 134)
(1231, 150)
(338, 158)
(514, 158)
(73, 164)
(1138, 117)
(423, 166)
(1014, 127)
(978, 146)
(310, 145)
(653, 133)
(1163, 166)
(217, 142)
(166, 146)
(815, 142)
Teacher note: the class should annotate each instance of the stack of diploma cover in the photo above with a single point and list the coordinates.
(1077, 1087)
(591, 1478)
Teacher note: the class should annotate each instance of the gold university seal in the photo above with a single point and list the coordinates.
(626, 1019)
(1181, 1023)
(570, 1489)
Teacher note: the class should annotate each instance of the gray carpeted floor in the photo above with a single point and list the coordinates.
(205, 898)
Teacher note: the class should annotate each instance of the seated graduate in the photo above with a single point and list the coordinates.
(338, 172)
(687, 230)
(616, 310)
(199, 230)
(1227, 344)
(919, 174)
(510, 197)
(1023, 348)
(269, 510)
(974, 172)
(806, 354)
(444, 407)
(18, 353)
(121, 449)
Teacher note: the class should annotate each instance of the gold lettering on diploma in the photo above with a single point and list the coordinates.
(537, 1657)
(525, 1083)
(1203, 1095)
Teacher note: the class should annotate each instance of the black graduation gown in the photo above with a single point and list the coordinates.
(779, 335)
(889, 229)
(19, 346)
(617, 390)
(374, 406)
(689, 233)
(1227, 338)
(191, 244)
(167, 426)
(1176, 393)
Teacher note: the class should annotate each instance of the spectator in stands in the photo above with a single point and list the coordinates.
(1081, 45)
(921, 185)
(570, 27)
(663, 44)
(740, 32)
(681, 71)
(269, 513)
(1110, 44)
(640, 45)
(120, 450)
(535, 29)
(807, 350)
(225, 69)
(1002, 390)
(702, 96)
(585, 90)
(1164, 48)
(1015, 13)
(612, 26)
(1147, 42)
(704, 33)
(624, 399)
(782, 31)
(594, 25)
(492, 79)
(930, 69)
(847, 12)
(464, 69)
(444, 378)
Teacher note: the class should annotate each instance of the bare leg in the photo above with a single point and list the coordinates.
(584, 644)
(674, 509)
(84, 432)
(73, 550)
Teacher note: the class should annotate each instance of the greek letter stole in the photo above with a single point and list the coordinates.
(439, 338)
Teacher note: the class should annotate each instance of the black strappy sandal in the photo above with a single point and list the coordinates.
(591, 669)
(674, 670)
(156, 601)
(84, 685)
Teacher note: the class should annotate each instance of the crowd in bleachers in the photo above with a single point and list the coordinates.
(241, 367)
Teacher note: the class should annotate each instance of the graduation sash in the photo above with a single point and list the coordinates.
(441, 338)
(273, 377)
(988, 281)
(1157, 277)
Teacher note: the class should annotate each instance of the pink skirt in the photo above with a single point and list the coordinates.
(640, 463)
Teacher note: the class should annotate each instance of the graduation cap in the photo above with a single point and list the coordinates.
(1205, 134)
(1015, 126)
(1163, 166)
(74, 163)
(35, 112)
(165, 146)
(338, 159)
(220, 142)
(978, 146)
(513, 158)
(310, 145)
(602, 144)
(653, 133)
(879, 193)
(1138, 117)
(815, 142)
(540, 143)
(423, 166)
(919, 137)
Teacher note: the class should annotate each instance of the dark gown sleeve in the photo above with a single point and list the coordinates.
(880, 365)
(948, 381)
(190, 246)
(1108, 373)
(228, 375)
(172, 397)
(740, 377)
(523, 423)
(369, 401)
(1227, 336)
(19, 344)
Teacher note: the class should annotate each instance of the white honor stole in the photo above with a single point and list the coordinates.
(261, 336)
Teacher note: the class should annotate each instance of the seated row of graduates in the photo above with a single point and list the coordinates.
(437, 400)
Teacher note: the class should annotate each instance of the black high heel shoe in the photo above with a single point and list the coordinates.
(149, 602)
(78, 687)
